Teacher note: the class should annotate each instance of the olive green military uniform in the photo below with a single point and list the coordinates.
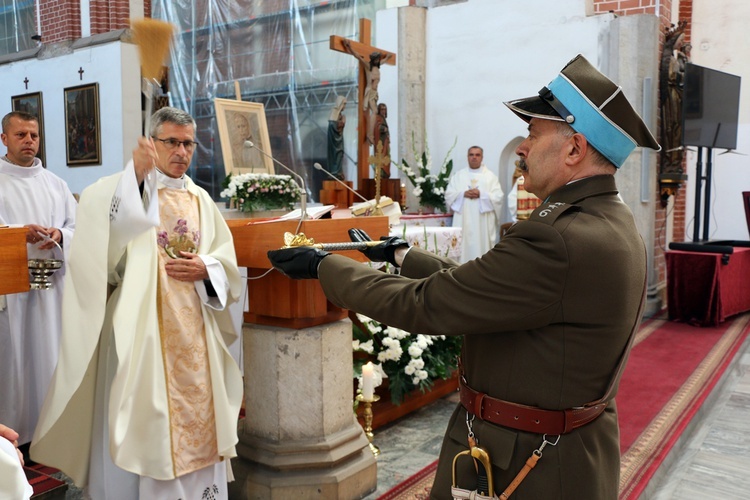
(546, 316)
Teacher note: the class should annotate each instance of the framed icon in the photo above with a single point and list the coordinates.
(243, 133)
(82, 125)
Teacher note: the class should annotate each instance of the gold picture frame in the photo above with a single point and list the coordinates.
(82, 125)
(241, 123)
(32, 104)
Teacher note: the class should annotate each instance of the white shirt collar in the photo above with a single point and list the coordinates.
(170, 182)
(9, 168)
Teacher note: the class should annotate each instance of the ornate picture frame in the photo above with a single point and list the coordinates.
(32, 103)
(82, 125)
(241, 123)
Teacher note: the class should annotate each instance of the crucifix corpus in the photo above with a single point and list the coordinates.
(370, 59)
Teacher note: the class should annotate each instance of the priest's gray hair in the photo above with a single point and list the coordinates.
(170, 115)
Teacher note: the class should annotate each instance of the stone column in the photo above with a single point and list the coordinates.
(412, 66)
(635, 67)
(300, 438)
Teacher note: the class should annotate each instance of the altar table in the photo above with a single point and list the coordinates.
(440, 220)
(444, 241)
(706, 288)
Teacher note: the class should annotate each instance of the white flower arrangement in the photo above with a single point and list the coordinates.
(408, 361)
(428, 187)
(253, 192)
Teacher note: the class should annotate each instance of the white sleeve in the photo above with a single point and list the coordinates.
(130, 214)
(454, 193)
(13, 483)
(218, 278)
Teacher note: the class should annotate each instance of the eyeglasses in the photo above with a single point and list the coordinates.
(172, 143)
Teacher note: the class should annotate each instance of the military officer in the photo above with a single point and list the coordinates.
(546, 314)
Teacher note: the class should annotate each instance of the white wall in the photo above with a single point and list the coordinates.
(484, 52)
(720, 41)
(114, 66)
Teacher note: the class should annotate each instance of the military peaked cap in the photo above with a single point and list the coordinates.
(594, 106)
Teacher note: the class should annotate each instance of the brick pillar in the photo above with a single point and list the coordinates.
(110, 15)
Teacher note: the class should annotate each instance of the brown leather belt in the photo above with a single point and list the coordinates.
(526, 418)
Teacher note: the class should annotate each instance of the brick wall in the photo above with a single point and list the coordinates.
(61, 20)
(109, 15)
(685, 13)
(625, 7)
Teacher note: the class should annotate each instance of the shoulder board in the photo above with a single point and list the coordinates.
(549, 212)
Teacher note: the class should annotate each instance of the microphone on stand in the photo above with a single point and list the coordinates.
(318, 166)
(303, 195)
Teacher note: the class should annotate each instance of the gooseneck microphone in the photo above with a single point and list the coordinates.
(303, 195)
(318, 166)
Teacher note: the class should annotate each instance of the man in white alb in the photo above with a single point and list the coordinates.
(33, 197)
(145, 399)
(475, 196)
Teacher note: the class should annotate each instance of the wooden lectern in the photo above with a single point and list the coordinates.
(14, 262)
(276, 300)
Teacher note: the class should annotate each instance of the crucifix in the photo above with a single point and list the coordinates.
(80, 73)
(370, 59)
(26, 82)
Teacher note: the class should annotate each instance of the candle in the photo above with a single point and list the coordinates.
(368, 381)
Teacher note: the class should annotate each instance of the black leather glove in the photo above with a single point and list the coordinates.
(384, 252)
(299, 263)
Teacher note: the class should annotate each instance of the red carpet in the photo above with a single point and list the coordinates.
(672, 369)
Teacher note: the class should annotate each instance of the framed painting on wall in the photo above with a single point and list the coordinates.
(32, 104)
(82, 125)
(242, 132)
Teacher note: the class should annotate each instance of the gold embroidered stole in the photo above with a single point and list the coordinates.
(183, 340)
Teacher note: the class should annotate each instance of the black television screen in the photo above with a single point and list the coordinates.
(710, 108)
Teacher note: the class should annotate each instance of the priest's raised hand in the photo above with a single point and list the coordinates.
(298, 263)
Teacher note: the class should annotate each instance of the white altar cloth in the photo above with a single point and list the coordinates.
(443, 241)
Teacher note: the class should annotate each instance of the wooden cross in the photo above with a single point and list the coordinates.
(378, 160)
(26, 82)
(80, 73)
(364, 49)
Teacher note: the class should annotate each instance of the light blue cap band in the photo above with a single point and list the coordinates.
(609, 139)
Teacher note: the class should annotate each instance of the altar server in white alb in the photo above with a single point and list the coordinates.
(33, 197)
(146, 397)
(476, 198)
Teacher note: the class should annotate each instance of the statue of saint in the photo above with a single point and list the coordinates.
(383, 135)
(336, 123)
(672, 81)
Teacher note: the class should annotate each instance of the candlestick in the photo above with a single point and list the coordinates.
(368, 381)
(368, 421)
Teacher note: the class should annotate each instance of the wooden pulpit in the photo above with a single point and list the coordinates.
(14, 263)
(276, 300)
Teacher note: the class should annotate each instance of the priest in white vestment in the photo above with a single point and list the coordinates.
(476, 198)
(145, 399)
(33, 197)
